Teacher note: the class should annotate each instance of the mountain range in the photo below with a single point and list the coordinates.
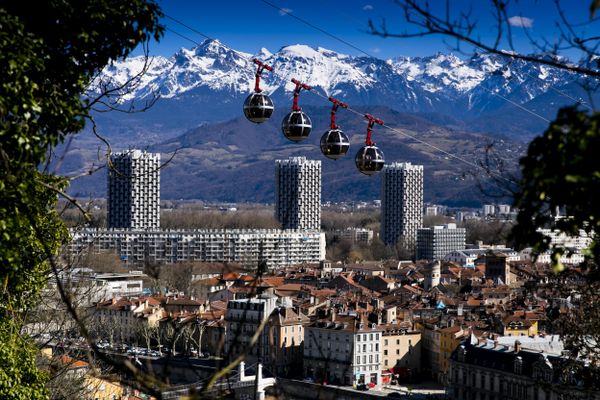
(459, 105)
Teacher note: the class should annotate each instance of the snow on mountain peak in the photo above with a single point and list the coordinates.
(263, 54)
(300, 50)
(216, 67)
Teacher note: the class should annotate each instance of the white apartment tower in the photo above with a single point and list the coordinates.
(134, 190)
(298, 193)
(401, 203)
(435, 242)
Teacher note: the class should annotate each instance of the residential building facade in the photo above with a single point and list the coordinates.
(343, 350)
(134, 190)
(298, 193)
(243, 319)
(401, 349)
(285, 340)
(401, 203)
(248, 247)
(495, 372)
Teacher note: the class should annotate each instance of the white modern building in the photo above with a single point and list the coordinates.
(529, 255)
(435, 242)
(298, 193)
(134, 190)
(121, 285)
(401, 203)
(575, 243)
(503, 209)
(467, 257)
(276, 247)
(488, 209)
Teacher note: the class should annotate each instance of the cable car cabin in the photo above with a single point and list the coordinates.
(369, 160)
(258, 107)
(296, 126)
(334, 144)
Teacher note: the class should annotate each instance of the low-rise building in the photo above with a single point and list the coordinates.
(343, 350)
(519, 325)
(367, 268)
(401, 349)
(285, 330)
(430, 348)
(450, 339)
(493, 371)
(117, 285)
(122, 320)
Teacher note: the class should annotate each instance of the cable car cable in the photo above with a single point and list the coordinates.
(456, 157)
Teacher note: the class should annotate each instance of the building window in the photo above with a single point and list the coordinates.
(385, 353)
(385, 342)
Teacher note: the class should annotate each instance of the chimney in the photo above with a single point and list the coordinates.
(333, 313)
(517, 346)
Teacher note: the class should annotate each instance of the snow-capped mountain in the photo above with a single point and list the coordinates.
(209, 82)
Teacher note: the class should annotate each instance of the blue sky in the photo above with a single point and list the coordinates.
(251, 24)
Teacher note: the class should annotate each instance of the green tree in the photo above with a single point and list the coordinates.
(561, 170)
(48, 57)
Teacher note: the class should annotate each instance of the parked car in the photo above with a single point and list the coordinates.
(362, 386)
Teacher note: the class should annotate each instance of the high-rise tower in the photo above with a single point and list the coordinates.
(401, 203)
(134, 190)
(298, 193)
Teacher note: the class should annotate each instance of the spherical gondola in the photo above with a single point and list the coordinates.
(258, 107)
(296, 126)
(334, 144)
(369, 160)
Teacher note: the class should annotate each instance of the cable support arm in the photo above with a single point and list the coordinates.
(334, 107)
(261, 66)
(372, 122)
(299, 87)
